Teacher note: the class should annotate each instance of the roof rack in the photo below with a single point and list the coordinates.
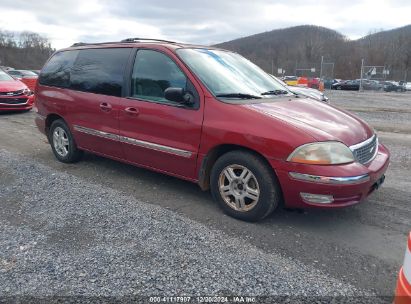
(146, 39)
(128, 40)
(92, 43)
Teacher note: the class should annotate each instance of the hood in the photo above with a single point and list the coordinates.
(12, 85)
(320, 120)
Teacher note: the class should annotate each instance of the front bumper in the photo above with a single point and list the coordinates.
(5, 107)
(347, 184)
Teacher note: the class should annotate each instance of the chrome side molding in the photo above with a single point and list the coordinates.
(135, 142)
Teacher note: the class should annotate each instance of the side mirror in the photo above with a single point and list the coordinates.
(179, 95)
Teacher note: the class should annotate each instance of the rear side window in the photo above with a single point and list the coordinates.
(56, 72)
(100, 71)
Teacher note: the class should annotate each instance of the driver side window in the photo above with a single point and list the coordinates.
(153, 73)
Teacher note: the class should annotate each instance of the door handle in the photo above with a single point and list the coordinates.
(131, 111)
(106, 107)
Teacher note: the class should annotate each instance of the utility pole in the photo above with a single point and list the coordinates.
(321, 68)
(272, 66)
(362, 72)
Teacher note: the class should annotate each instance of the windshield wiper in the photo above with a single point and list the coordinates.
(275, 92)
(239, 95)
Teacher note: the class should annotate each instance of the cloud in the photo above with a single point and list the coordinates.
(67, 21)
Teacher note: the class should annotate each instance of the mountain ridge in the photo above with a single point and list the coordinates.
(301, 47)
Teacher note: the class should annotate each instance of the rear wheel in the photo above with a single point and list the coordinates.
(244, 186)
(62, 142)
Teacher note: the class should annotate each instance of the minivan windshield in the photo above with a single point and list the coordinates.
(5, 77)
(229, 75)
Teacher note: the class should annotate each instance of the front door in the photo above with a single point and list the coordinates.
(155, 132)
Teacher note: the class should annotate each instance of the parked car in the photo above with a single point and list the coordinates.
(303, 91)
(290, 80)
(211, 117)
(374, 85)
(329, 82)
(14, 95)
(351, 85)
(314, 83)
(5, 68)
(391, 86)
(25, 76)
(408, 86)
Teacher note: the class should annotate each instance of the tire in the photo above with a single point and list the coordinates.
(62, 143)
(338, 88)
(237, 197)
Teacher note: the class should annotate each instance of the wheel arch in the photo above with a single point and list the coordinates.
(49, 120)
(215, 153)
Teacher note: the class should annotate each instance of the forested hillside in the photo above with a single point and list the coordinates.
(24, 50)
(303, 46)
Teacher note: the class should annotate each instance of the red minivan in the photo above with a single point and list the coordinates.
(208, 116)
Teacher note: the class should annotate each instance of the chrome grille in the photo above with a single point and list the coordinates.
(366, 151)
(12, 93)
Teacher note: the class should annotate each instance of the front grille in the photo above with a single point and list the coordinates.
(12, 93)
(13, 100)
(365, 152)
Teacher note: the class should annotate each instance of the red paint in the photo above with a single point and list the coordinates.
(30, 82)
(403, 290)
(273, 130)
(5, 100)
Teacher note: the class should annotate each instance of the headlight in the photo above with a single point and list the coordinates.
(27, 92)
(322, 153)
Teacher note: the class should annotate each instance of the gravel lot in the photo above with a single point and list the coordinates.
(104, 228)
(85, 239)
(389, 112)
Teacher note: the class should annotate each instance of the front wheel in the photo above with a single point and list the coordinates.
(244, 186)
(62, 142)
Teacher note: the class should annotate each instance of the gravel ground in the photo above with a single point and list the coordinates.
(387, 112)
(371, 99)
(85, 239)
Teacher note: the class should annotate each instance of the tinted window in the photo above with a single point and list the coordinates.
(56, 72)
(153, 73)
(100, 71)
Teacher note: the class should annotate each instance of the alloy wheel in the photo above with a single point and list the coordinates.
(60, 142)
(239, 188)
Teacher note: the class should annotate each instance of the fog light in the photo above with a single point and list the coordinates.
(317, 198)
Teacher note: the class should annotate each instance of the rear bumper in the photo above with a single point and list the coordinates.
(345, 185)
(40, 121)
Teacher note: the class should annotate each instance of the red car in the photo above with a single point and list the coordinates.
(25, 76)
(211, 117)
(14, 95)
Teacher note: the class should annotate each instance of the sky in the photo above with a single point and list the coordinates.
(208, 22)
